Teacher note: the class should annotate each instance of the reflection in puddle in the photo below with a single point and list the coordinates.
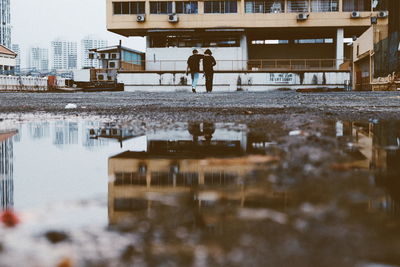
(6, 169)
(206, 164)
(378, 145)
(220, 188)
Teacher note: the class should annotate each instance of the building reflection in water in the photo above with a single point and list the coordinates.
(6, 169)
(379, 145)
(206, 163)
(65, 133)
(112, 131)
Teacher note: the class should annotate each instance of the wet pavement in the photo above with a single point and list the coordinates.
(280, 190)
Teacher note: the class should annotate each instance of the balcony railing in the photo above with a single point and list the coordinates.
(259, 65)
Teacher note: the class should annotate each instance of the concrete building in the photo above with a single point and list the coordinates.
(5, 23)
(17, 50)
(376, 57)
(289, 38)
(7, 61)
(88, 43)
(244, 30)
(38, 59)
(64, 55)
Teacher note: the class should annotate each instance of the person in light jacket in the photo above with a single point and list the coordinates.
(193, 67)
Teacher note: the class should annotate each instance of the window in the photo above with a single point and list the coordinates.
(128, 8)
(161, 7)
(266, 6)
(324, 5)
(220, 7)
(186, 7)
(298, 6)
(194, 41)
(356, 5)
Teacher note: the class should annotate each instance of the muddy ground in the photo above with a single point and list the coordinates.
(328, 219)
(182, 106)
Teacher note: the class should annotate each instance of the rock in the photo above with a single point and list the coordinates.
(71, 106)
(56, 237)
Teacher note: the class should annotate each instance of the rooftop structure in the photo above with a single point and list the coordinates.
(247, 35)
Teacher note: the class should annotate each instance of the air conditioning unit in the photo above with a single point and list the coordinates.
(173, 18)
(101, 76)
(140, 18)
(355, 15)
(383, 14)
(302, 16)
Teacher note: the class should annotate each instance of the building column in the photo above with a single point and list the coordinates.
(245, 51)
(339, 47)
(340, 8)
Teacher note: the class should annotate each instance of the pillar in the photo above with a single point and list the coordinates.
(339, 47)
(245, 51)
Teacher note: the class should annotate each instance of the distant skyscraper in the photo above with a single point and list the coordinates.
(38, 59)
(16, 49)
(5, 23)
(87, 43)
(64, 55)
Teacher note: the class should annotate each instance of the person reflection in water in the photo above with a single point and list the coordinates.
(207, 131)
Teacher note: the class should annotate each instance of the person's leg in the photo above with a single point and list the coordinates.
(210, 78)
(207, 75)
(192, 74)
(195, 80)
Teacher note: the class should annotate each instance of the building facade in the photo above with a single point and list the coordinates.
(17, 50)
(5, 23)
(7, 61)
(38, 59)
(246, 35)
(376, 55)
(88, 43)
(64, 55)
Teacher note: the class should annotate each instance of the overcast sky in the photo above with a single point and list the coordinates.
(38, 22)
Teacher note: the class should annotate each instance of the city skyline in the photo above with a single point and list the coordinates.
(41, 32)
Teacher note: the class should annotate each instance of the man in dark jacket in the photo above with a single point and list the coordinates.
(208, 68)
(193, 66)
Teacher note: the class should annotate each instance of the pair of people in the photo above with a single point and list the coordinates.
(193, 67)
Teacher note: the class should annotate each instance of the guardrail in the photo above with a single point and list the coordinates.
(245, 65)
(22, 83)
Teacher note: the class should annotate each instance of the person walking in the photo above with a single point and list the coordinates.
(193, 66)
(208, 68)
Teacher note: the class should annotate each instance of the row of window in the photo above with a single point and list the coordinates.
(251, 6)
(182, 7)
(190, 41)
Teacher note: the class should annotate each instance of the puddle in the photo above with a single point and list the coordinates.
(201, 193)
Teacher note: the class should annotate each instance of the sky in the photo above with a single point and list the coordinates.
(38, 22)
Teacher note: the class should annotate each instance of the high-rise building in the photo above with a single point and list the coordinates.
(38, 59)
(87, 43)
(5, 23)
(246, 31)
(17, 50)
(64, 55)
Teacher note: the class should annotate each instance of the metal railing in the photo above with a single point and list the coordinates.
(246, 65)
